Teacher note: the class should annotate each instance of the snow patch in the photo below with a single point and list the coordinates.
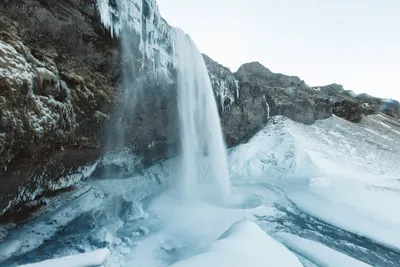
(348, 171)
(320, 182)
(384, 125)
(14, 66)
(90, 259)
(267, 107)
(237, 88)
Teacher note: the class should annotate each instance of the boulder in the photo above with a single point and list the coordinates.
(349, 110)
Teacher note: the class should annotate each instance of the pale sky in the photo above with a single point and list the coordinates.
(351, 42)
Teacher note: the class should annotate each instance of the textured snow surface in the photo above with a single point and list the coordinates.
(89, 259)
(178, 230)
(43, 117)
(350, 170)
(318, 253)
(34, 234)
(15, 67)
(20, 68)
(244, 244)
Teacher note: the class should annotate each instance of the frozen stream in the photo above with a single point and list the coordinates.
(171, 231)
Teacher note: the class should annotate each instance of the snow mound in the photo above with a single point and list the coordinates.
(244, 244)
(318, 253)
(351, 170)
(89, 259)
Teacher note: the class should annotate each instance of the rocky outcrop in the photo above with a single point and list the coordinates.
(255, 72)
(392, 108)
(349, 110)
(58, 71)
(62, 102)
(263, 94)
(36, 103)
(224, 83)
(353, 107)
(68, 105)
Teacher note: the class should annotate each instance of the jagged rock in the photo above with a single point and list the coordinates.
(370, 105)
(48, 125)
(224, 83)
(36, 105)
(348, 105)
(263, 94)
(131, 211)
(254, 72)
(329, 90)
(64, 106)
(391, 107)
(349, 110)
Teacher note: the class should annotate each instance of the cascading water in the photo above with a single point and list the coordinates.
(200, 128)
(141, 28)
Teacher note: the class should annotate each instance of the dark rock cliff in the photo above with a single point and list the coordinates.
(61, 80)
(61, 98)
(59, 68)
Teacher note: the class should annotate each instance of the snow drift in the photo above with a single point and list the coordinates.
(243, 245)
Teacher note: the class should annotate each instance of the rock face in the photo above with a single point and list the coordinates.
(353, 107)
(62, 102)
(61, 95)
(59, 79)
(58, 73)
(350, 110)
(224, 83)
(261, 94)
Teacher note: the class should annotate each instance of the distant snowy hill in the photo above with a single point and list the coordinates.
(342, 173)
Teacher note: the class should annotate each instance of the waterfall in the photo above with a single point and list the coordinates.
(146, 37)
(267, 107)
(200, 128)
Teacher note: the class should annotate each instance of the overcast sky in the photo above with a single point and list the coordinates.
(351, 42)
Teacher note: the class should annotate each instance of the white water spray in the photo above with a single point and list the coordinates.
(200, 127)
(267, 106)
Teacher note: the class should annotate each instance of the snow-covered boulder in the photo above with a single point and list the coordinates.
(131, 211)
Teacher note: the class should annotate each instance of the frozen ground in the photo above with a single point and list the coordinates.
(328, 192)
